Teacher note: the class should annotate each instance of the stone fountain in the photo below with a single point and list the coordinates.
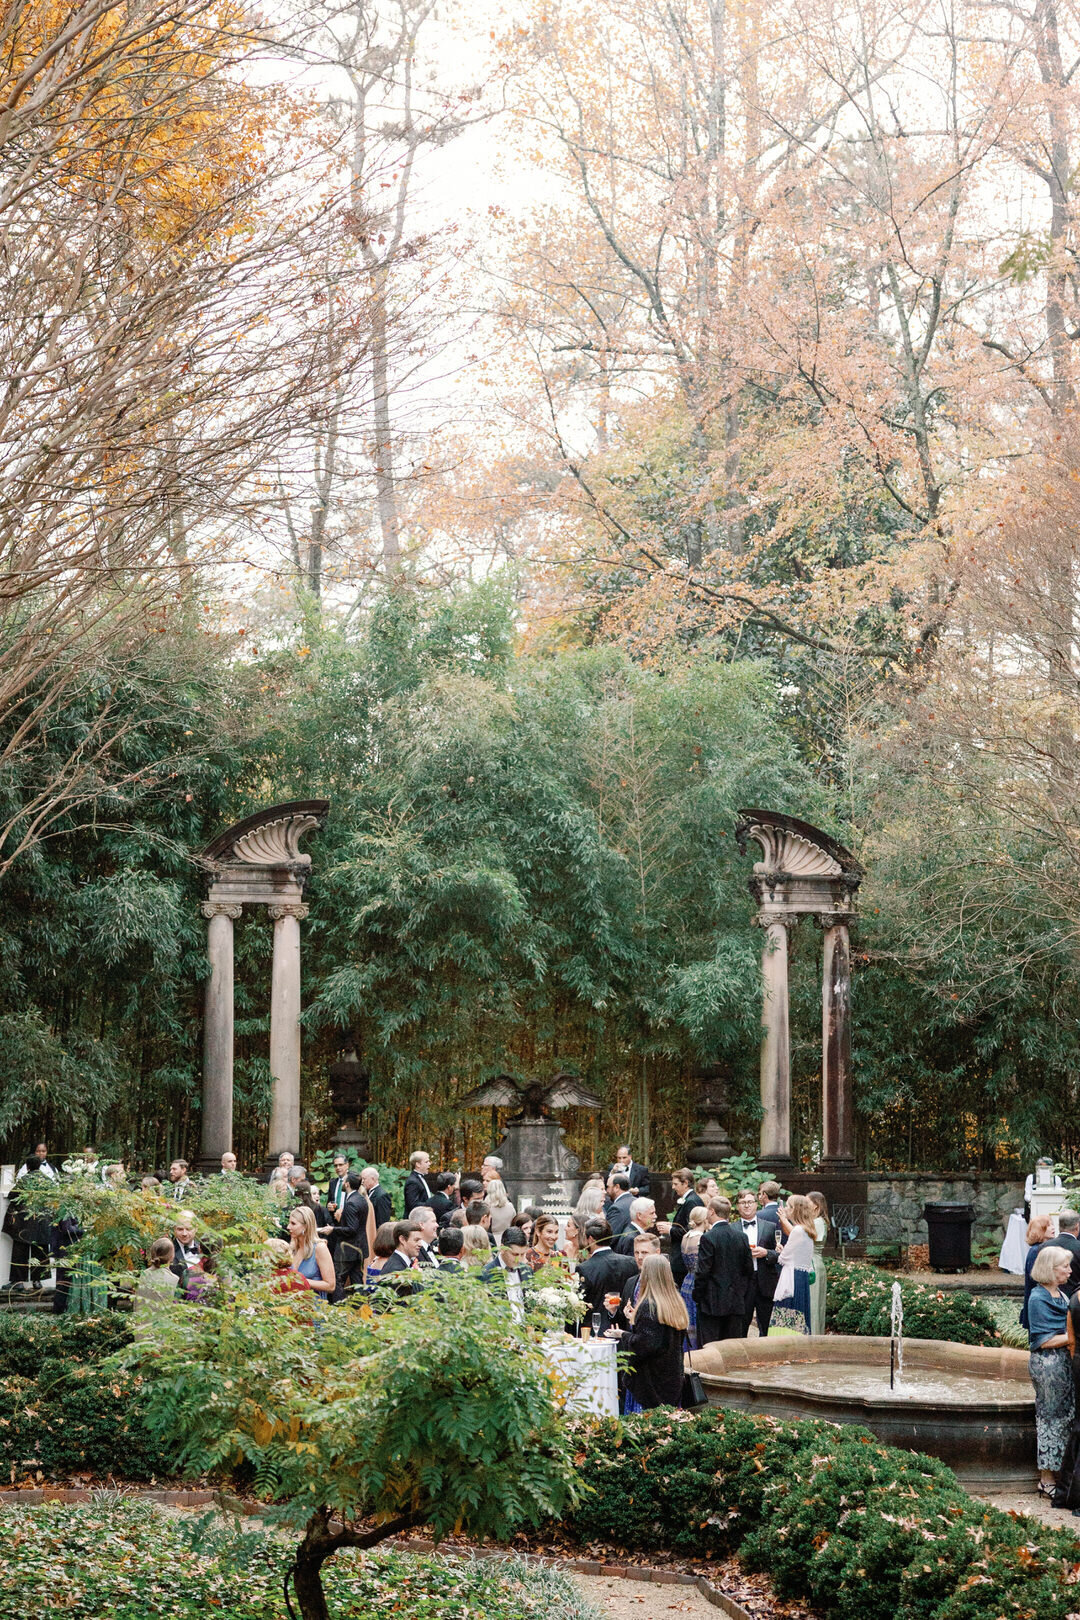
(971, 1406)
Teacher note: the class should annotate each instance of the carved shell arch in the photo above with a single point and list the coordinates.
(276, 843)
(270, 837)
(789, 852)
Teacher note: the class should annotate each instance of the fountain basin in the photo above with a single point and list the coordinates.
(973, 1407)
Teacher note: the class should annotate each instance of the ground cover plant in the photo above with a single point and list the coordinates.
(131, 1561)
(860, 1530)
(859, 1300)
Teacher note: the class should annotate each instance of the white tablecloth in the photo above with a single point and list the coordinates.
(1014, 1249)
(589, 1365)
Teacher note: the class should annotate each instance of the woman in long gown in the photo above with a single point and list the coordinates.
(689, 1250)
(791, 1302)
(817, 1287)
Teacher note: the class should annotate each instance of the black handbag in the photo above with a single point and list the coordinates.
(693, 1392)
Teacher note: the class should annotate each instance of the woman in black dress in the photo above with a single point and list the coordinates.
(654, 1342)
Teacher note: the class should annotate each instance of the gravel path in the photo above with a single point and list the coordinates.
(1032, 1503)
(640, 1600)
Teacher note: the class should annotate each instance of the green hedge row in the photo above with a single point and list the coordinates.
(859, 1300)
(59, 1415)
(858, 1529)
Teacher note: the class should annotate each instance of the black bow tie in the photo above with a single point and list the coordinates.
(747, 1224)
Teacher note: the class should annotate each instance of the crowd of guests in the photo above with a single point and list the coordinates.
(1051, 1315)
(722, 1271)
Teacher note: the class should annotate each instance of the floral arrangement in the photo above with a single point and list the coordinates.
(555, 1299)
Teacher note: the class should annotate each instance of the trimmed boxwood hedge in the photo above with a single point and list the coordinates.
(130, 1561)
(859, 1300)
(860, 1530)
(59, 1415)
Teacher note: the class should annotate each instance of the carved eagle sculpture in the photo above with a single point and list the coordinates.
(533, 1097)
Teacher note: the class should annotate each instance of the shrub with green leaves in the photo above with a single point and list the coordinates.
(61, 1414)
(859, 1300)
(131, 1561)
(860, 1530)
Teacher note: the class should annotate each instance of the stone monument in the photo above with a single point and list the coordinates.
(536, 1160)
(258, 862)
(710, 1143)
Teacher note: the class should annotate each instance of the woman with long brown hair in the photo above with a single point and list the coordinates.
(654, 1341)
(545, 1235)
(817, 1287)
(791, 1302)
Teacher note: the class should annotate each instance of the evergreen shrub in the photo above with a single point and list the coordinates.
(860, 1530)
(60, 1415)
(859, 1301)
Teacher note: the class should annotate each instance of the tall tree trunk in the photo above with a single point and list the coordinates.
(385, 489)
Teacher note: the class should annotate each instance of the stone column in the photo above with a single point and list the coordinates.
(217, 1100)
(775, 1048)
(838, 1106)
(285, 1029)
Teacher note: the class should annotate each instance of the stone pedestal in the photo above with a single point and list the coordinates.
(537, 1162)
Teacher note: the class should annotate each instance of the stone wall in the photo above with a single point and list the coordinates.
(903, 1197)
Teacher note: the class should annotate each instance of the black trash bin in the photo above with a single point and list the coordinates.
(949, 1227)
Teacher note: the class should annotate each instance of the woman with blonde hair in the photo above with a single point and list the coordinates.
(498, 1202)
(791, 1302)
(1040, 1230)
(654, 1341)
(475, 1245)
(572, 1246)
(1049, 1364)
(310, 1255)
(590, 1201)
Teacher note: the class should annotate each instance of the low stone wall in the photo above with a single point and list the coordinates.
(902, 1197)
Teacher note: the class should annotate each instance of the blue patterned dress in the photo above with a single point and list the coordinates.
(687, 1292)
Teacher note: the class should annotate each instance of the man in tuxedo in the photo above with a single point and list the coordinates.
(451, 1244)
(443, 1201)
(724, 1280)
(186, 1249)
(645, 1243)
(469, 1187)
(1067, 1238)
(336, 1194)
(381, 1202)
(642, 1219)
(508, 1269)
(686, 1199)
(351, 1249)
(400, 1270)
(604, 1272)
(417, 1187)
(767, 1195)
(424, 1217)
(228, 1165)
(41, 1153)
(761, 1234)
(636, 1174)
(617, 1208)
(338, 1190)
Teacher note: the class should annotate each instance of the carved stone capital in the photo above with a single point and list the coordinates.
(218, 908)
(835, 919)
(291, 910)
(786, 919)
